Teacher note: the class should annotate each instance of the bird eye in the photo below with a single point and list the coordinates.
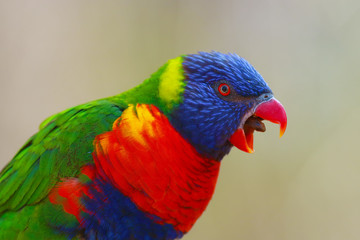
(224, 89)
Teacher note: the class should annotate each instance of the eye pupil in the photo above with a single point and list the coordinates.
(224, 89)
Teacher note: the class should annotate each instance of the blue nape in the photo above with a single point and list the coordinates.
(112, 215)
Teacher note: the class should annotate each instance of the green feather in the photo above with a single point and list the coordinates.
(62, 146)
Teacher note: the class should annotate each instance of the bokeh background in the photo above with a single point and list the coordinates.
(306, 185)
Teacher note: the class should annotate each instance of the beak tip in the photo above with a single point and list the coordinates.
(242, 141)
(250, 150)
(282, 129)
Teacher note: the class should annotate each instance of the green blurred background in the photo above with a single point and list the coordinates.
(306, 185)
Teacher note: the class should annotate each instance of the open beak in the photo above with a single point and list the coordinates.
(273, 111)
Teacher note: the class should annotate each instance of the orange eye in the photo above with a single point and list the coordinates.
(224, 89)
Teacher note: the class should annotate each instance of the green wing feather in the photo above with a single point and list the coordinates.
(61, 147)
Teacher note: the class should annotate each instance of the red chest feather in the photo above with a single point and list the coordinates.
(149, 161)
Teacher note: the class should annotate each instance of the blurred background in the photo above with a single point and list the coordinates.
(306, 185)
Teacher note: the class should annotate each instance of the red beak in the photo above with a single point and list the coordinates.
(272, 111)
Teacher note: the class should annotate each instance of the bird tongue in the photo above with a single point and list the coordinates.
(273, 111)
(254, 123)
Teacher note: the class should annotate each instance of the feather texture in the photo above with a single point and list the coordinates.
(139, 165)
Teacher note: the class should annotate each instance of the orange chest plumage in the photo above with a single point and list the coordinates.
(151, 163)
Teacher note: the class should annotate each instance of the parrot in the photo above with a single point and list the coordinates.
(140, 165)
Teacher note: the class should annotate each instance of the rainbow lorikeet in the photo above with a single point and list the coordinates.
(139, 165)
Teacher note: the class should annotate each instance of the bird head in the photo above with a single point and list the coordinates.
(216, 101)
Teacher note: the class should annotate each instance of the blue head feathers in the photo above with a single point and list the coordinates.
(215, 66)
(206, 118)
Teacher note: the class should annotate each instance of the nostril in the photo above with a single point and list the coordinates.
(265, 97)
